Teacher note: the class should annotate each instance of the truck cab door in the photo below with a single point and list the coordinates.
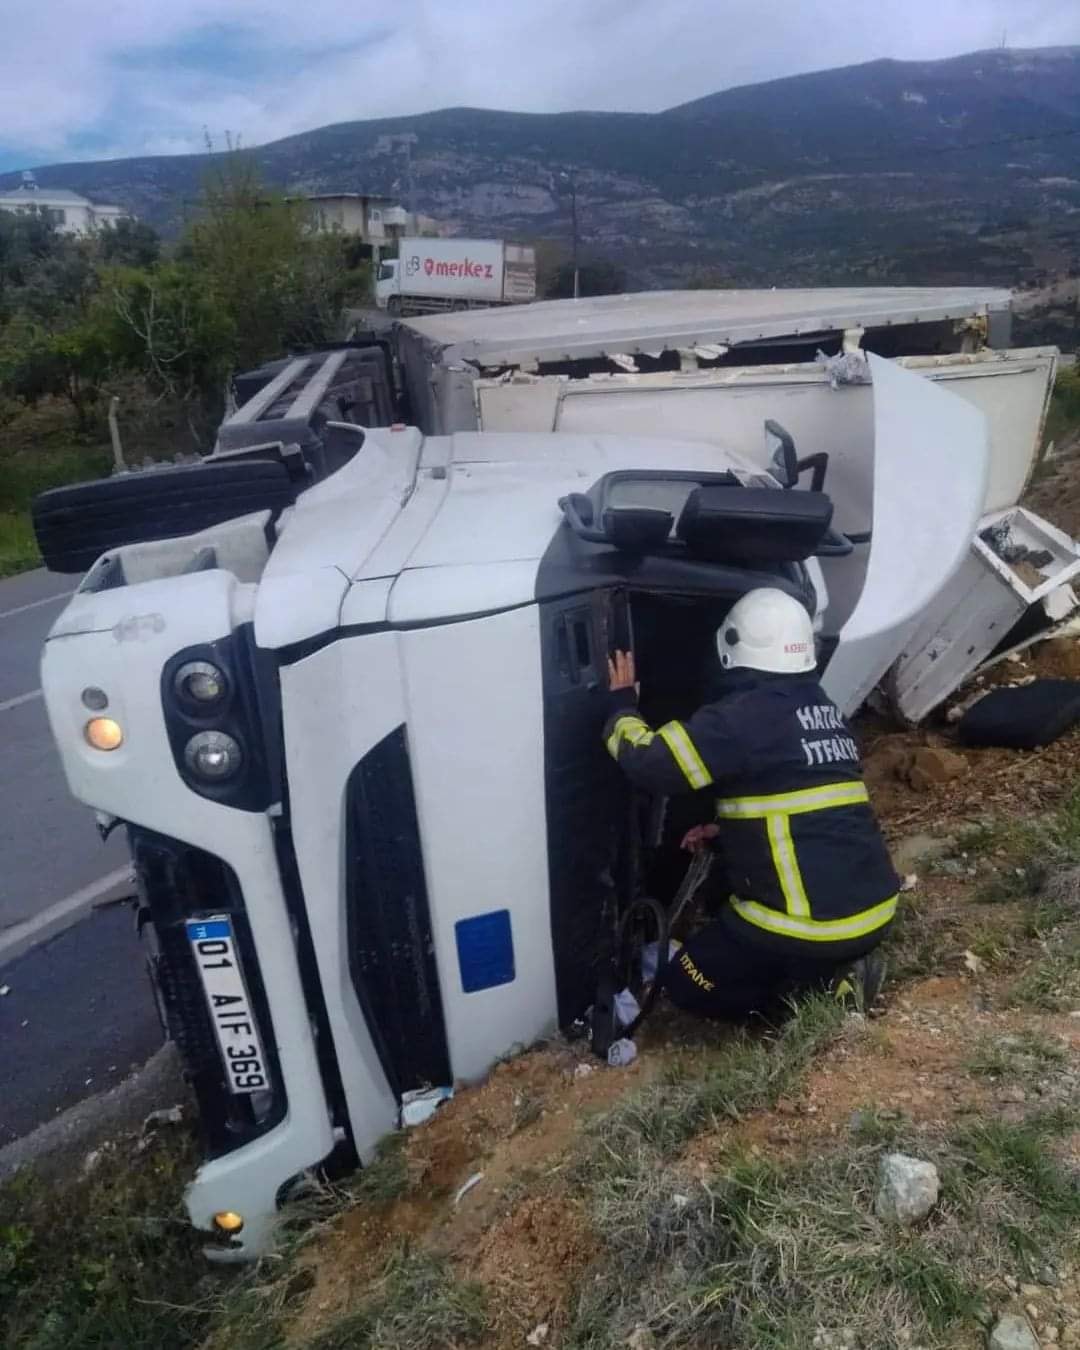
(587, 799)
(931, 463)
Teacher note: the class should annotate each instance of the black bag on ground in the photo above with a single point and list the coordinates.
(1022, 718)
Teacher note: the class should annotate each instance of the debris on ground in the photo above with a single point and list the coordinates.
(907, 1189)
(464, 1189)
(422, 1103)
(169, 1115)
(621, 1053)
(1022, 717)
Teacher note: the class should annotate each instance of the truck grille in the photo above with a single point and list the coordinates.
(178, 882)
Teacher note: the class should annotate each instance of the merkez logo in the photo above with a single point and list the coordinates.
(465, 268)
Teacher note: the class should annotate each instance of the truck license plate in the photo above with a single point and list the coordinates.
(230, 1008)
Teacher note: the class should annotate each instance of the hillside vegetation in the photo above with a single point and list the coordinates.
(85, 320)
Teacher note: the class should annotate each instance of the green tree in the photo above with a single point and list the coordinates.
(69, 361)
(277, 282)
(164, 324)
(128, 243)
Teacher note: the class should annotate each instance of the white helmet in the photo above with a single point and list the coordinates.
(767, 630)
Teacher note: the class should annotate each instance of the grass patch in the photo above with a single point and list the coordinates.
(1016, 1056)
(769, 1255)
(1017, 1158)
(761, 1257)
(109, 1259)
(38, 450)
(921, 933)
(872, 1125)
(385, 1178)
(1063, 414)
(1051, 982)
(417, 1303)
(18, 548)
(746, 1072)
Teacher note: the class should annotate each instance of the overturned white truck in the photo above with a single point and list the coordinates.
(353, 735)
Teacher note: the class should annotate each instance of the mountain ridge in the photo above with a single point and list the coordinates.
(962, 169)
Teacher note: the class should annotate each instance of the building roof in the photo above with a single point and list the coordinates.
(53, 196)
(654, 320)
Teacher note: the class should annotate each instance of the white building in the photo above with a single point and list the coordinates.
(377, 221)
(70, 213)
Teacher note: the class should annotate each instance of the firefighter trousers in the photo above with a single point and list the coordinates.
(718, 973)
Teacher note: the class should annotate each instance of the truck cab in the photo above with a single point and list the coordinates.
(355, 746)
(387, 286)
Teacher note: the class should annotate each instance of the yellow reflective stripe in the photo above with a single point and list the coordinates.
(793, 803)
(787, 864)
(815, 930)
(685, 754)
(629, 727)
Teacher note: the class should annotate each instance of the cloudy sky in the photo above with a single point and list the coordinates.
(92, 79)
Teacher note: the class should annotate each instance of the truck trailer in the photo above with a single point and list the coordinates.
(433, 275)
(711, 365)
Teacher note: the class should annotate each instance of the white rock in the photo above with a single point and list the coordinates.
(907, 1189)
(1013, 1333)
(538, 1335)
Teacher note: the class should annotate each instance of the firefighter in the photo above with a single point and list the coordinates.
(809, 888)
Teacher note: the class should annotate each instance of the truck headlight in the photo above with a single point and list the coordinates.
(200, 684)
(213, 756)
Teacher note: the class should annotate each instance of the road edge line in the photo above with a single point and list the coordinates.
(17, 939)
(35, 604)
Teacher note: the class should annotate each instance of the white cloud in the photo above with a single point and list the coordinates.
(146, 76)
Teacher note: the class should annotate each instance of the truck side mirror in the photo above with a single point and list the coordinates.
(780, 447)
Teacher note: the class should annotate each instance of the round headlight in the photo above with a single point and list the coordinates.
(201, 683)
(104, 733)
(213, 755)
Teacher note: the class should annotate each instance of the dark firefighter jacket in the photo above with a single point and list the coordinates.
(803, 857)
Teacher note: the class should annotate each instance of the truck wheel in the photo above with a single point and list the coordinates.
(75, 525)
(393, 305)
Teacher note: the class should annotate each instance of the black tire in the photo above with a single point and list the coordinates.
(393, 306)
(75, 525)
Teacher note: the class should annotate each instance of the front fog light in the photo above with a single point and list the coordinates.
(213, 755)
(228, 1221)
(103, 733)
(200, 682)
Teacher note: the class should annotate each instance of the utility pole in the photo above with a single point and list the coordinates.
(408, 139)
(570, 178)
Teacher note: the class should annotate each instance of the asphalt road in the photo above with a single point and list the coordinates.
(78, 1005)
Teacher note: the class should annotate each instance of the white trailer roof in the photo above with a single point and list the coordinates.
(650, 321)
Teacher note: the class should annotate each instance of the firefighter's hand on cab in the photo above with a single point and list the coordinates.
(621, 674)
(699, 837)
